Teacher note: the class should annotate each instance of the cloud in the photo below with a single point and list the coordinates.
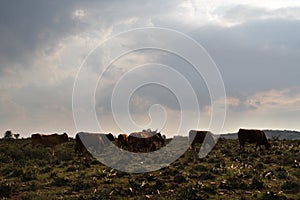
(276, 100)
(244, 13)
(259, 55)
(255, 45)
(28, 27)
(265, 109)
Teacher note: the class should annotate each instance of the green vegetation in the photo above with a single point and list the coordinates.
(226, 173)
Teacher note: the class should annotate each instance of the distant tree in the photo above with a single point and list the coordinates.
(8, 135)
(17, 135)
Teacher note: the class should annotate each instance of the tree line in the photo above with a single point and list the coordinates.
(8, 135)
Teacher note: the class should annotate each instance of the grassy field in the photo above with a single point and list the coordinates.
(226, 173)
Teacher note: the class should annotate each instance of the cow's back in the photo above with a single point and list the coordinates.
(142, 141)
(250, 135)
(198, 137)
(48, 140)
(92, 142)
(36, 139)
(111, 137)
(54, 139)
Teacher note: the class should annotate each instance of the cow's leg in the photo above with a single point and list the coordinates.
(153, 147)
(193, 146)
(241, 145)
(52, 151)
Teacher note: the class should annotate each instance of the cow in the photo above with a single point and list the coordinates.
(91, 142)
(111, 137)
(48, 140)
(253, 136)
(198, 137)
(145, 141)
(122, 140)
(79, 146)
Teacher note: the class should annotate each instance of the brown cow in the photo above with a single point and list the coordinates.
(91, 142)
(48, 140)
(122, 140)
(253, 136)
(145, 141)
(198, 137)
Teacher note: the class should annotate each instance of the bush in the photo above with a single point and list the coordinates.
(233, 183)
(272, 196)
(291, 186)
(82, 185)
(64, 155)
(37, 153)
(257, 183)
(8, 188)
(206, 176)
(281, 173)
(190, 192)
(28, 175)
(200, 168)
(46, 169)
(60, 181)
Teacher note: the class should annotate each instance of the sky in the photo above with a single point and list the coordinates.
(255, 46)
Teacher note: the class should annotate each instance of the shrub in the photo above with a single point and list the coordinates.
(64, 155)
(259, 166)
(102, 194)
(272, 196)
(206, 176)
(233, 183)
(28, 175)
(82, 185)
(257, 183)
(46, 169)
(60, 181)
(291, 186)
(281, 173)
(7, 188)
(37, 153)
(71, 169)
(200, 168)
(190, 192)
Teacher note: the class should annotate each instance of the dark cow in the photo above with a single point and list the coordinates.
(111, 137)
(122, 140)
(253, 136)
(198, 137)
(79, 146)
(48, 140)
(145, 141)
(91, 142)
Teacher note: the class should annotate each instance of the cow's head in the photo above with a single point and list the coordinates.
(160, 138)
(65, 137)
(268, 145)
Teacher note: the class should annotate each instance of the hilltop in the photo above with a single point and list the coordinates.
(226, 173)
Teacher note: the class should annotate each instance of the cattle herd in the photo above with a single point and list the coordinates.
(144, 141)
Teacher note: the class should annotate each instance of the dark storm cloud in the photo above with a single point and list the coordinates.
(256, 49)
(255, 56)
(26, 26)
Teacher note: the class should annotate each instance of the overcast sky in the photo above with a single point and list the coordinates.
(255, 45)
